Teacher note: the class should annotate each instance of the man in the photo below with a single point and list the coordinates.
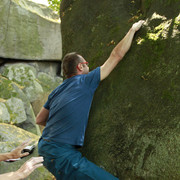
(26, 169)
(66, 112)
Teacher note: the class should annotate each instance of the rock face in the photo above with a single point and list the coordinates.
(16, 107)
(30, 53)
(134, 122)
(29, 31)
(25, 75)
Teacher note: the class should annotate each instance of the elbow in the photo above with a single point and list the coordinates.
(118, 54)
(37, 120)
(39, 123)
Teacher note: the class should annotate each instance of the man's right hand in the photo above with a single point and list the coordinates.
(136, 26)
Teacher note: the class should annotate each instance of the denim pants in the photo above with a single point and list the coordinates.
(65, 162)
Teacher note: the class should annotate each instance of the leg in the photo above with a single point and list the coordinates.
(65, 162)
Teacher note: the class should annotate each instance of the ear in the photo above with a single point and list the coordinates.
(80, 67)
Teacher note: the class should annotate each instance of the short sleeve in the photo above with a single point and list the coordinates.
(46, 105)
(92, 79)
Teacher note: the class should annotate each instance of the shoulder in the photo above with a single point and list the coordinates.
(92, 79)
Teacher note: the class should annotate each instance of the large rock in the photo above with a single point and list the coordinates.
(134, 122)
(10, 138)
(24, 118)
(34, 83)
(31, 84)
(16, 107)
(4, 114)
(29, 31)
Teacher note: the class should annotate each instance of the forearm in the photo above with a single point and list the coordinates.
(123, 46)
(11, 176)
(117, 54)
(41, 123)
(42, 117)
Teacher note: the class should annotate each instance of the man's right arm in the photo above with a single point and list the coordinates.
(119, 51)
(42, 116)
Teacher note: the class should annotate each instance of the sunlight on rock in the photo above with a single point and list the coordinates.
(175, 28)
(177, 20)
(140, 40)
(158, 16)
(160, 31)
(45, 2)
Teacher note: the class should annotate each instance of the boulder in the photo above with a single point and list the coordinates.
(134, 124)
(4, 114)
(29, 31)
(34, 83)
(12, 136)
(31, 83)
(16, 109)
(25, 75)
(49, 82)
(12, 91)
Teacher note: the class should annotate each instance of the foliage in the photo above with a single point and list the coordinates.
(55, 5)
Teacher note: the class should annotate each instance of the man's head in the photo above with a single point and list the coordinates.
(74, 64)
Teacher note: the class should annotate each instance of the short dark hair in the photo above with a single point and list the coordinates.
(70, 62)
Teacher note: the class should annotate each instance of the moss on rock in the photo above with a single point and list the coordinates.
(134, 120)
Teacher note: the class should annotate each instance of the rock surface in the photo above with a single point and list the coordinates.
(23, 83)
(29, 31)
(134, 122)
(16, 109)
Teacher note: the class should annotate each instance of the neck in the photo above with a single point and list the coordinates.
(71, 76)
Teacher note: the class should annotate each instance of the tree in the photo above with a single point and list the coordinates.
(55, 5)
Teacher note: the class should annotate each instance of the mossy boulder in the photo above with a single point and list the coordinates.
(24, 75)
(48, 82)
(4, 114)
(29, 31)
(30, 86)
(12, 136)
(16, 108)
(11, 93)
(134, 125)
(34, 84)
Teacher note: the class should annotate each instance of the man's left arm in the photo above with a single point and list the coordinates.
(42, 116)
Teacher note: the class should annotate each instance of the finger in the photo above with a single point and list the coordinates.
(35, 160)
(37, 165)
(24, 154)
(142, 22)
(38, 159)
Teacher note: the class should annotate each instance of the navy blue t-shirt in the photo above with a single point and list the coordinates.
(69, 105)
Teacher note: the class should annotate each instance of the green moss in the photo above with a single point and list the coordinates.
(21, 34)
(135, 110)
(6, 88)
